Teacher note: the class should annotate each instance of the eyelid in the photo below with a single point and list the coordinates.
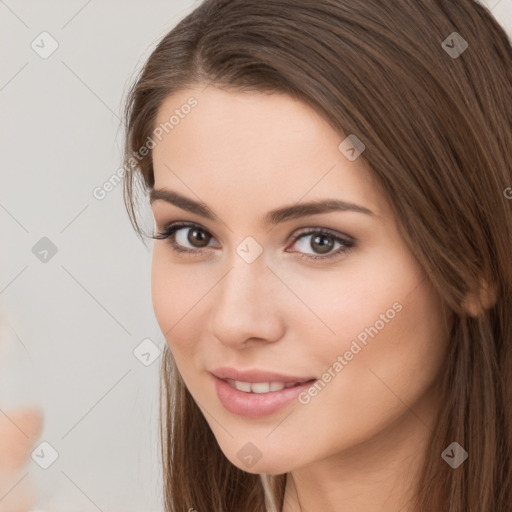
(301, 231)
(167, 226)
(318, 229)
(169, 231)
(348, 242)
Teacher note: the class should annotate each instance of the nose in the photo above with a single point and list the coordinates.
(247, 305)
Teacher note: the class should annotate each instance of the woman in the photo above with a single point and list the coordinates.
(331, 188)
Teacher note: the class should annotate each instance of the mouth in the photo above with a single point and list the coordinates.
(264, 387)
(258, 399)
(258, 377)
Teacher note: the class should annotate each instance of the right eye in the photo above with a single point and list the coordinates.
(181, 233)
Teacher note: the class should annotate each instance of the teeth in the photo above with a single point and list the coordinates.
(243, 386)
(259, 387)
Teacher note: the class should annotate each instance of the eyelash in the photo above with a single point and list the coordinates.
(170, 230)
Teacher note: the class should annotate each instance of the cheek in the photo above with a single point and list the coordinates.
(162, 293)
(379, 381)
(413, 346)
(350, 301)
(388, 326)
(391, 354)
(380, 291)
(173, 295)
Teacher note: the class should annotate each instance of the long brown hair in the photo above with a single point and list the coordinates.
(434, 111)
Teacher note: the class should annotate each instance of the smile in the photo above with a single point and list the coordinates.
(260, 387)
(257, 399)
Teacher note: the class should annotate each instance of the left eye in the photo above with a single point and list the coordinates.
(322, 241)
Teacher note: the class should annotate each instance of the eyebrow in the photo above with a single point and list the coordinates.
(276, 216)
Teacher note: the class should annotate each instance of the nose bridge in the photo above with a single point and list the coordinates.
(245, 284)
(246, 302)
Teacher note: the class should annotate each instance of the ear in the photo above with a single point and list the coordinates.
(476, 303)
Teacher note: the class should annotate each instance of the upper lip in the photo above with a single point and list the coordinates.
(256, 375)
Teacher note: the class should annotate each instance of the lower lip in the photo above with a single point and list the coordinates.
(256, 405)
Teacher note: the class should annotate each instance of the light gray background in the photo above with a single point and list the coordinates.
(77, 318)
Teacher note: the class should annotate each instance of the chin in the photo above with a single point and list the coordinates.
(272, 464)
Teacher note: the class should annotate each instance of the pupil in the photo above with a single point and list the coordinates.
(322, 247)
(200, 236)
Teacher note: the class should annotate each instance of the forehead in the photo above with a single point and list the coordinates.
(254, 151)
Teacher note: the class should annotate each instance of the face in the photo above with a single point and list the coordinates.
(328, 295)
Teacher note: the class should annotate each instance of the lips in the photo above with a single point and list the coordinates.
(257, 393)
(255, 404)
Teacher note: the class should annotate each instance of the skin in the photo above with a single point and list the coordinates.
(19, 431)
(357, 445)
